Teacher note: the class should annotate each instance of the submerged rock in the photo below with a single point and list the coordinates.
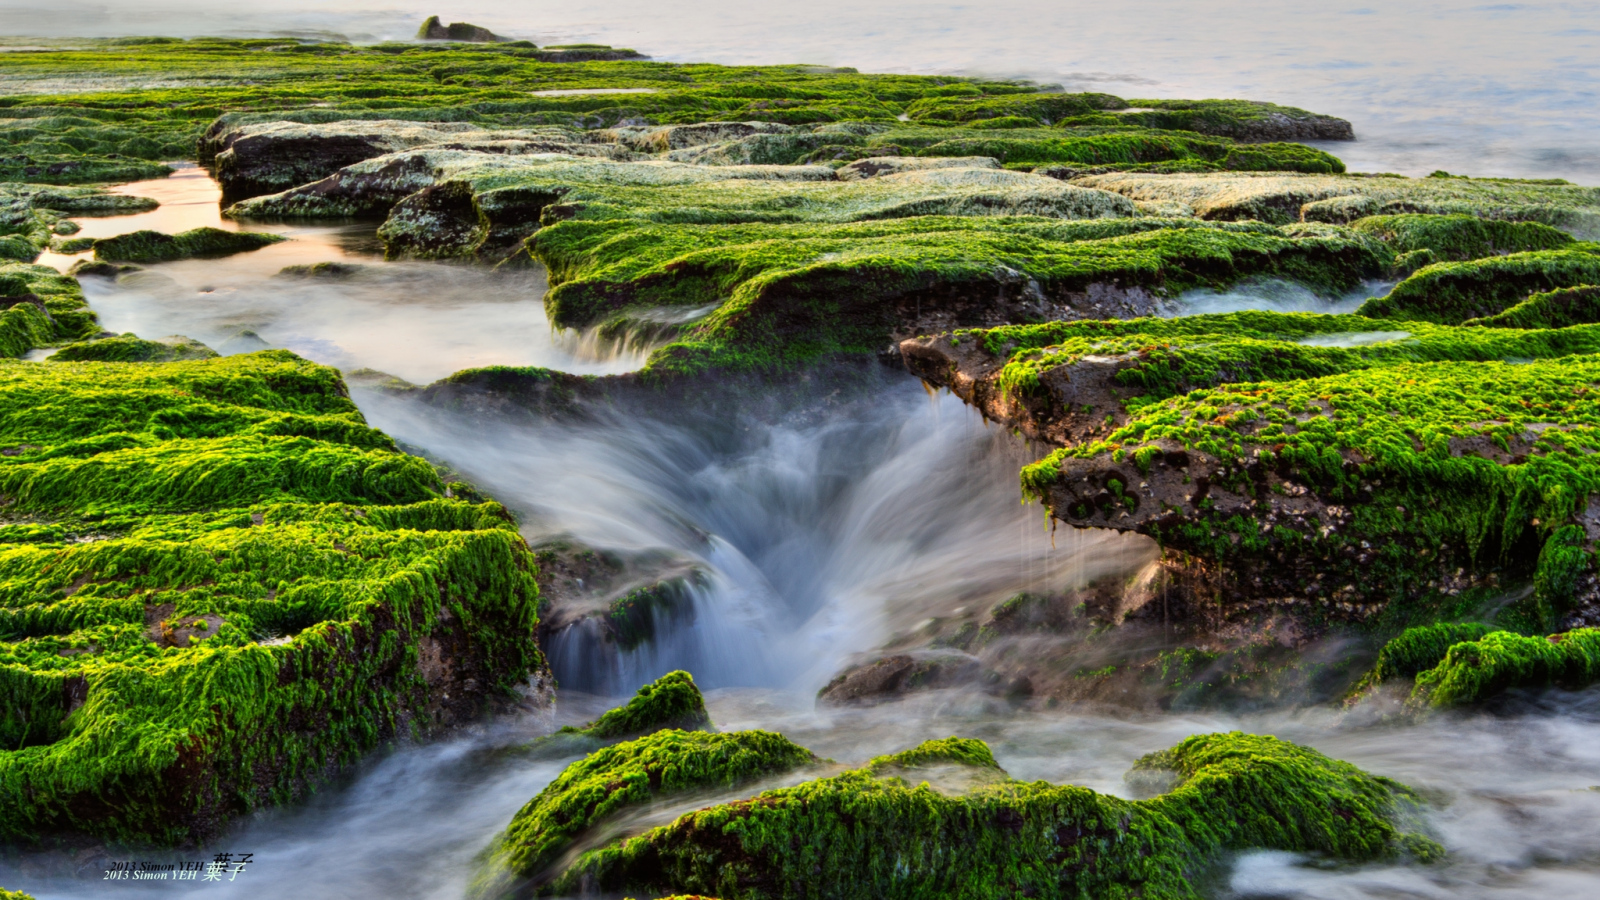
(940, 819)
(225, 588)
(154, 246)
(892, 677)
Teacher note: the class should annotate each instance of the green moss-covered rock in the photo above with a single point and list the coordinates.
(1453, 292)
(1067, 382)
(40, 307)
(671, 701)
(769, 297)
(1474, 670)
(71, 168)
(1554, 309)
(1394, 490)
(876, 832)
(13, 895)
(130, 348)
(622, 777)
(153, 246)
(1281, 198)
(1243, 120)
(221, 588)
(32, 215)
(1460, 237)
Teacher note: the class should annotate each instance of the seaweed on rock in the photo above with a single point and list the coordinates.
(1381, 491)
(1454, 292)
(154, 246)
(613, 779)
(1555, 309)
(671, 701)
(1472, 671)
(222, 587)
(131, 348)
(874, 832)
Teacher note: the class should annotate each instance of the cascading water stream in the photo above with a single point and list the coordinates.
(817, 539)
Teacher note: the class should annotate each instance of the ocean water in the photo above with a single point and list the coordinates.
(1476, 88)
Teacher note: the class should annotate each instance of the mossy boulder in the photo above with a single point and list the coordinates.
(40, 307)
(434, 30)
(154, 246)
(131, 348)
(1460, 237)
(223, 589)
(1454, 292)
(1068, 382)
(901, 827)
(1472, 671)
(1554, 309)
(671, 701)
(1385, 492)
(32, 215)
(620, 778)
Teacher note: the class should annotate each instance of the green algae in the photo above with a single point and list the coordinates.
(220, 587)
(671, 701)
(1286, 197)
(1416, 470)
(131, 348)
(154, 246)
(1472, 671)
(41, 308)
(1553, 309)
(1167, 357)
(1416, 650)
(614, 779)
(106, 105)
(1453, 292)
(863, 834)
(1460, 237)
(784, 295)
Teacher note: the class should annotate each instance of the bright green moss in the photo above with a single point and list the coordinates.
(775, 296)
(862, 835)
(13, 895)
(41, 307)
(1555, 309)
(130, 348)
(1135, 147)
(1284, 197)
(218, 586)
(1417, 650)
(1453, 292)
(951, 750)
(1473, 671)
(671, 701)
(153, 246)
(1410, 472)
(623, 776)
(1460, 237)
(1173, 356)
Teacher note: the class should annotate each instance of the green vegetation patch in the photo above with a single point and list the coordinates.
(1474, 670)
(862, 834)
(624, 776)
(1453, 292)
(1167, 357)
(1554, 309)
(130, 348)
(1379, 483)
(766, 297)
(32, 215)
(218, 586)
(40, 307)
(671, 701)
(153, 246)
(1285, 197)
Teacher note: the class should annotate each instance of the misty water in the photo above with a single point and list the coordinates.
(819, 538)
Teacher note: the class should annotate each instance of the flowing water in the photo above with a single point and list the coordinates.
(821, 537)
